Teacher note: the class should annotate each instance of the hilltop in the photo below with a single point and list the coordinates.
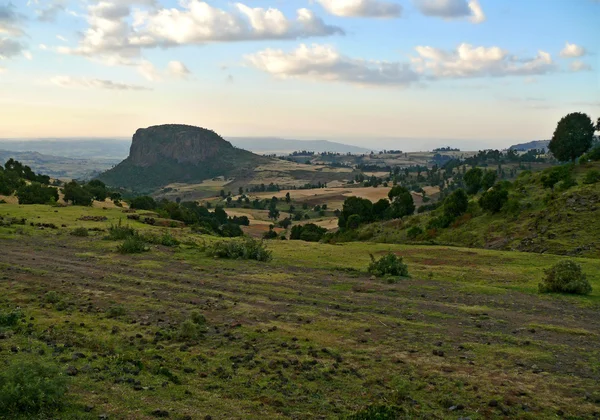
(283, 146)
(165, 154)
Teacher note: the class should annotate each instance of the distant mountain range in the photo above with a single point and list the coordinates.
(92, 148)
(273, 145)
(536, 144)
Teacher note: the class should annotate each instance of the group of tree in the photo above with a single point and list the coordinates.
(29, 187)
(84, 194)
(357, 210)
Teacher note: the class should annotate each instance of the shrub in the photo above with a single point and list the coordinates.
(456, 203)
(189, 330)
(198, 318)
(143, 203)
(248, 249)
(51, 297)
(414, 231)
(591, 177)
(80, 231)
(133, 245)
(165, 239)
(9, 319)
(231, 230)
(308, 232)
(119, 232)
(353, 222)
(565, 277)
(35, 193)
(31, 388)
(270, 234)
(388, 265)
(115, 311)
(493, 200)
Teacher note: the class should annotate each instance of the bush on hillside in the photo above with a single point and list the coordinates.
(552, 176)
(31, 389)
(231, 230)
(248, 249)
(456, 204)
(80, 231)
(309, 232)
(35, 193)
(133, 245)
(565, 277)
(165, 239)
(414, 232)
(389, 265)
(119, 232)
(591, 177)
(143, 203)
(493, 200)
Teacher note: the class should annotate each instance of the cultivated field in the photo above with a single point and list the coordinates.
(308, 335)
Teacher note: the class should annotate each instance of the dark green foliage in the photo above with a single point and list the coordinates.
(51, 297)
(565, 277)
(493, 200)
(133, 245)
(119, 231)
(473, 180)
(248, 249)
(572, 137)
(488, 180)
(14, 174)
(388, 265)
(77, 194)
(116, 311)
(402, 203)
(270, 234)
(440, 222)
(380, 209)
(36, 193)
(231, 230)
(97, 189)
(9, 319)
(414, 232)
(285, 223)
(31, 388)
(356, 205)
(308, 232)
(9, 182)
(189, 330)
(456, 204)
(354, 221)
(591, 177)
(80, 231)
(198, 318)
(143, 202)
(556, 174)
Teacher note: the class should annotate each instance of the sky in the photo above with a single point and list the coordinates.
(376, 73)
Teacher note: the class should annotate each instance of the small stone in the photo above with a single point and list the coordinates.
(160, 413)
(71, 371)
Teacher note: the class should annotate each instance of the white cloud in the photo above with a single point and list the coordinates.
(115, 31)
(362, 8)
(572, 51)
(324, 63)
(10, 20)
(148, 71)
(468, 61)
(86, 83)
(51, 11)
(452, 9)
(28, 55)
(178, 69)
(579, 66)
(62, 38)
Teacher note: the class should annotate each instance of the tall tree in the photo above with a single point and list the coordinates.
(573, 136)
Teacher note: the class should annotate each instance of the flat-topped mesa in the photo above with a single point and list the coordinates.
(180, 143)
(172, 153)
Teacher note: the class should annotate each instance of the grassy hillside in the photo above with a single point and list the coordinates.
(537, 219)
(308, 335)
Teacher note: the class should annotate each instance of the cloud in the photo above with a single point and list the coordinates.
(362, 8)
(9, 48)
(468, 61)
(452, 9)
(178, 69)
(572, 51)
(86, 83)
(117, 34)
(10, 20)
(579, 66)
(324, 63)
(28, 55)
(51, 11)
(148, 71)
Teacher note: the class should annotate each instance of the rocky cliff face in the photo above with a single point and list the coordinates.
(180, 143)
(165, 154)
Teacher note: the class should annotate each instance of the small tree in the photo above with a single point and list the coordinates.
(402, 202)
(473, 180)
(493, 200)
(572, 137)
(388, 265)
(488, 180)
(565, 277)
(456, 204)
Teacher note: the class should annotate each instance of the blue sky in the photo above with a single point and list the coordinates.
(379, 73)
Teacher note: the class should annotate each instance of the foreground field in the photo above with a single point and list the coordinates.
(308, 335)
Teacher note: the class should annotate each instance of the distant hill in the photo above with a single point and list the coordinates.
(273, 145)
(60, 167)
(91, 148)
(536, 144)
(165, 154)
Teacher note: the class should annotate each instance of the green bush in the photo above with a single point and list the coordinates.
(565, 277)
(378, 412)
(116, 311)
(493, 200)
(198, 318)
(31, 388)
(9, 319)
(414, 232)
(388, 265)
(51, 297)
(119, 232)
(591, 177)
(248, 249)
(133, 245)
(308, 232)
(165, 239)
(80, 231)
